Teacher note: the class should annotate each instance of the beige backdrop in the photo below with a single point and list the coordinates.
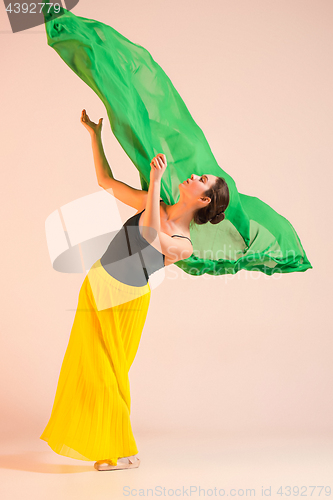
(230, 356)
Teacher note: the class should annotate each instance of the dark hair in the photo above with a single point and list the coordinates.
(214, 211)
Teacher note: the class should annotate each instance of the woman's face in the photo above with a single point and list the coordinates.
(196, 185)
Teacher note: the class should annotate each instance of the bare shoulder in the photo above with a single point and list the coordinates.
(175, 231)
(172, 230)
(144, 204)
(181, 247)
(142, 201)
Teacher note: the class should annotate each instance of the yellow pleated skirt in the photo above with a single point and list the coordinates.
(90, 418)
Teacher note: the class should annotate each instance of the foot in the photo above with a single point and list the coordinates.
(131, 462)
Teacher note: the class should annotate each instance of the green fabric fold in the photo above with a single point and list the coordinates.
(147, 117)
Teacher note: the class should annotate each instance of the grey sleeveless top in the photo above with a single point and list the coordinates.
(129, 258)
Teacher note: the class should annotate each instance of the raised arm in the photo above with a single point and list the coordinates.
(151, 231)
(135, 198)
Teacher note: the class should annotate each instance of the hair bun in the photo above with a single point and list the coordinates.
(218, 218)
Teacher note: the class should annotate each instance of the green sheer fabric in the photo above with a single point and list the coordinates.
(148, 116)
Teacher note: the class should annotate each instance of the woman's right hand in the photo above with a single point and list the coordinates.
(91, 126)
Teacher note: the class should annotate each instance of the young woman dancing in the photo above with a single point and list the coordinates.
(90, 419)
(90, 416)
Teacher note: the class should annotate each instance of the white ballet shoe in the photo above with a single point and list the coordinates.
(122, 463)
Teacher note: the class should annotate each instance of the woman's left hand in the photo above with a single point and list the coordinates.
(158, 166)
(93, 128)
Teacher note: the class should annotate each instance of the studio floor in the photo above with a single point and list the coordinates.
(183, 464)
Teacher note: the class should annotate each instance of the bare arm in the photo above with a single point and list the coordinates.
(103, 170)
(175, 250)
(152, 216)
(135, 198)
(152, 222)
(102, 167)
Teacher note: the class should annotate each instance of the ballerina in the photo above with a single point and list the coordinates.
(104, 340)
(90, 416)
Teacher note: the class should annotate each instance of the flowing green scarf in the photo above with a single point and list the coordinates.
(148, 116)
